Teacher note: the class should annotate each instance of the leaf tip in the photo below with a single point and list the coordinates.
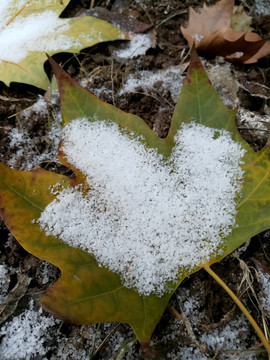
(195, 63)
(60, 74)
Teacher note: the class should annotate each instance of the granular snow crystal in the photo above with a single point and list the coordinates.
(147, 217)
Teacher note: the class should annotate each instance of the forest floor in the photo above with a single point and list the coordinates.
(142, 77)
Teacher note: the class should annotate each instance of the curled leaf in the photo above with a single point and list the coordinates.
(211, 33)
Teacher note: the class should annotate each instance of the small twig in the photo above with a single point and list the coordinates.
(252, 129)
(81, 66)
(263, 75)
(147, 14)
(145, 94)
(113, 99)
(182, 317)
(17, 113)
(191, 334)
(164, 99)
(123, 348)
(172, 310)
(150, 95)
(105, 340)
(243, 352)
(170, 17)
(94, 341)
(92, 4)
(6, 98)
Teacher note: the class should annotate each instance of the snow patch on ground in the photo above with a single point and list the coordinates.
(224, 82)
(229, 337)
(171, 79)
(262, 7)
(95, 90)
(189, 305)
(26, 335)
(4, 281)
(23, 146)
(40, 107)
(132, 209)
(265, 282)
(34, 334)
(252, 124)
(252, 120)
(137, 46)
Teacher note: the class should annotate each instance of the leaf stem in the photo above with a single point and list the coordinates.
(241, 306)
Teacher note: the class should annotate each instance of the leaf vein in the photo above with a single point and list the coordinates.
(96, 296)
(22, 196)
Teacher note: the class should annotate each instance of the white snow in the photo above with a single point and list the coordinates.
(3, 272)
(262, 7)
(197, 38)
(224, 82)
(24, 147)
(229, 337)
(137, 46)
(39, 107)
(171, 79)
(35, 32)
(26, 335)
(265, 282)
(23, 144)
(252, 120)
(4, 281)
(146, 217)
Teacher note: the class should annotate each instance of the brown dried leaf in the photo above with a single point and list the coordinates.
(211, 19)
(211, 33)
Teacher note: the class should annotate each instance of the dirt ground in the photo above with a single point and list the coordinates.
(212, 326)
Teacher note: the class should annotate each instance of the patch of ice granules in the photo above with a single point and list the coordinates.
(229, 337)
(265, 282)
(147, 217)
(171, 79)
(137, 46)
(35, 32)
(26, 335)
(4, 281)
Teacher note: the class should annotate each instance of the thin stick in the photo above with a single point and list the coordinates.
(113, 99)
(105, 340)
(241, 306)
(172, 310)
(170, 17)
(18, 12)
(92, 4)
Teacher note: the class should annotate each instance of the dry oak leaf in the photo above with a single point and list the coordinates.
(211, 32)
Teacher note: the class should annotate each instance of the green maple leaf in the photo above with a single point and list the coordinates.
(29, 29)
(87, 293)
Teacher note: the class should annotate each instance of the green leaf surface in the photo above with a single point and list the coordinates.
(72, 35)
(87, 293)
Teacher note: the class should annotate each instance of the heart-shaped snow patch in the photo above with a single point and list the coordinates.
(146, 216)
